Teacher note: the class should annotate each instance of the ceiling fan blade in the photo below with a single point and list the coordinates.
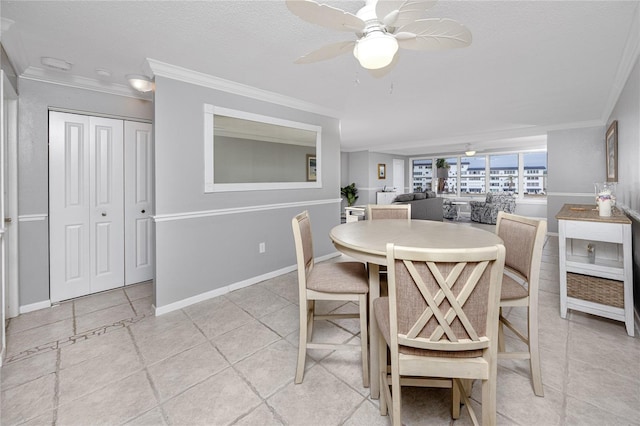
(327, 52)
(433, 34)
(325, 15)
(381, 72)
(396, 13)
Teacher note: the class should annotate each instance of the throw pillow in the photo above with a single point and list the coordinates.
(404, 197)
(419, 195)
(430, 194)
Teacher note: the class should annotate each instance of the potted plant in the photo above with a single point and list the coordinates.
(442, 172)
(351, 193)
(442, 168)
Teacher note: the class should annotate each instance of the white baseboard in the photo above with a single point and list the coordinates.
(231, 287)
(200, 297)
(35, 306)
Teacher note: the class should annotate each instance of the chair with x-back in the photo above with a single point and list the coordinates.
(347, 281)
(523, 239)
(440, 321)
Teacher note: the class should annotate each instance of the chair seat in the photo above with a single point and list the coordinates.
(339, 277)
(381, 312)
(511, 289)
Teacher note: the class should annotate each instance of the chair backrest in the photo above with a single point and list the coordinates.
(303, 240)
(388, 211)
(523, 240)
(444, 299)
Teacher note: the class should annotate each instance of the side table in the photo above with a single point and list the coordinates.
(595, 256)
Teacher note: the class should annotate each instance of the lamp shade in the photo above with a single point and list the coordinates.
(375, 50)
(141, 83)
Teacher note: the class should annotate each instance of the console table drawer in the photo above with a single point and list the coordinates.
(607, 232)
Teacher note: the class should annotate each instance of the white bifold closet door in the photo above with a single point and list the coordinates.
(139, 241)
(87, 205)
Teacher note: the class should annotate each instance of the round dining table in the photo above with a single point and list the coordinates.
(366, 240)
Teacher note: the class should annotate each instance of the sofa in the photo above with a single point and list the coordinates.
(487, 211)
(424, 205)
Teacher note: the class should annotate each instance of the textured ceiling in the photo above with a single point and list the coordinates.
(532, 66)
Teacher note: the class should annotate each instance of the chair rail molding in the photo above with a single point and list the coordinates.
(244, 209)
(32, 217)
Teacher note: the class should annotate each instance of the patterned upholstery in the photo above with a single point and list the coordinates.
(487, 211)
(449, 210)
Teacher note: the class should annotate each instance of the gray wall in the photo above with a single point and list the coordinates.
(575, 161)
(359, 174)
(627, 112)
(245, 160)
(196, 255)
(363, 170)
(33, 183)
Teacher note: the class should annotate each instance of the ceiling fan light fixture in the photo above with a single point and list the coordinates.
(375, 50)
(141, 83)
(469, 151)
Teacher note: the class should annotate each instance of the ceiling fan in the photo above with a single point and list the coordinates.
(381, 27)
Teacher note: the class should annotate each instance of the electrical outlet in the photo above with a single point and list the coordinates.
(262, 247)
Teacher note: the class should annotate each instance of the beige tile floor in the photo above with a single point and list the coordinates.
(105, 359)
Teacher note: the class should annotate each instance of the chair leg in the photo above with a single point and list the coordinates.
(468, 386)
(382, 374)
(534, 351)
(396, 394)
(455, 395)
(302, 341)
(364, 341)
(501, 345)
(489, 401)
(311, 310)
(489, 389)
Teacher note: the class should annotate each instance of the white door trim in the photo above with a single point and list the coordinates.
(12, 194)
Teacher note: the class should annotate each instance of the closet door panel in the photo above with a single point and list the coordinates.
(107, 204)
(139, 230)
(69, 204)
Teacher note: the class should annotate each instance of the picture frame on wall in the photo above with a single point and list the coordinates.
(311, 168)
(612, 152)
(382, 171)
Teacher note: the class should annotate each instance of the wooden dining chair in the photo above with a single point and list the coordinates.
(523, 239)
(347, 281)
(440, 321)
(388, 211)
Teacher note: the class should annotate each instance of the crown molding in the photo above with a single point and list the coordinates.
(499, 138)
(78, 82)
(630, 55)
(205, 80)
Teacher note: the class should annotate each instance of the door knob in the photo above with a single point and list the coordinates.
(7, 220)
(104, 213)
(143, 211)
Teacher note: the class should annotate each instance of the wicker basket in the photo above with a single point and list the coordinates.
(595, 289)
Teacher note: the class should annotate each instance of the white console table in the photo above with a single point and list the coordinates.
(385, 197)
(596, 263)
(354, 213)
